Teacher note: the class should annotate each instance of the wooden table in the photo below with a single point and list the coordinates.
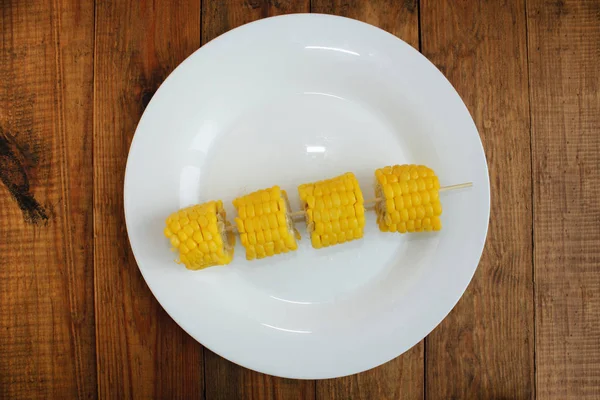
(77, 319)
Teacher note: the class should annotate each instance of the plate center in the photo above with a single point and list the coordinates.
(298, 138)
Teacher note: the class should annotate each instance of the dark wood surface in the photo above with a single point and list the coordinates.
(77, 319)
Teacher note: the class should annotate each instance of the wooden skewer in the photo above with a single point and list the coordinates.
(298, 215)
(376, 200)
(457, 186)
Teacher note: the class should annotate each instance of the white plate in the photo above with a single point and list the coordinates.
(295, 99)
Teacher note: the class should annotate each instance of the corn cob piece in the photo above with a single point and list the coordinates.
(264, 223)
(410, 199)
(201, 236)
(335, 211)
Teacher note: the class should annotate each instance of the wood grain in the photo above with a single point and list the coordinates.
(141, 352)
(564, 60)
(400, 18)
(402, 377)
(484, 348)
(220, 16)
(225, 380)
(47, 347)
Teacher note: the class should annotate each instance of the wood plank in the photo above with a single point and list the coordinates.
(564, 60)
(402, 377)
(225, 380)
(220, 16)
(400, 18)
(484, 348)
(47, 345)
(141, 352)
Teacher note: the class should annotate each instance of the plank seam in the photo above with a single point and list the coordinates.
(419, 25)
(95, 281)
(532, 153)
(420, 44)
(203, 348)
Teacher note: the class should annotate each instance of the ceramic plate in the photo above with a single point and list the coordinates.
(285, 101)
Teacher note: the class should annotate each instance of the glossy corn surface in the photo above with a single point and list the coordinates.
(199, 234)
(411, 199)
(264, 224)
(335, 211)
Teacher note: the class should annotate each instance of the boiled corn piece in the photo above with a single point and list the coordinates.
(201, 236)
(410, 199)
(264, 223)
(335, 211)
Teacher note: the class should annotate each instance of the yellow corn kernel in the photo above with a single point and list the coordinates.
(404, 215)
(416, 199)
(268, 235)
(418, 225)
(260, 251)
(429, 210)
(199, 234)
(270, 229)
(335, 226)
(361, 221)
(388, 191)
(182, 236)
(269, 249)
(344, 225)
(272, 220)
(191, 244)
(250, 253)
(264, 222)
(275, 234)
(412, 213)
(404, 187)
(425, 197)
(410, 196)
(283, 232)
(240, 225)
(436, 223)
(402, 227)
(260, 237)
